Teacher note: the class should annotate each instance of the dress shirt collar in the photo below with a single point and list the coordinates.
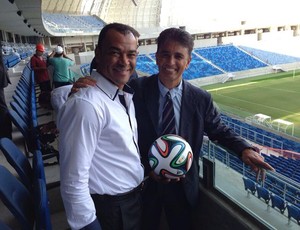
(110, 89)
(163, 90)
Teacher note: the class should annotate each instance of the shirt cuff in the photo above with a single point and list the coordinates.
(95, 225)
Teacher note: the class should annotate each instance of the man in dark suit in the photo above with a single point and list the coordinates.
(195, 116)
(5, 122)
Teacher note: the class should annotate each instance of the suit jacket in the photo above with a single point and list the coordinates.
(198, 116)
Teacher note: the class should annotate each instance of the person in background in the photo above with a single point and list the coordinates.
(39, 65)
(61, 72)
(195, 116)
(5, 122)
(100, 167)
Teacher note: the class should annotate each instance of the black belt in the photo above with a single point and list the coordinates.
(119, 197)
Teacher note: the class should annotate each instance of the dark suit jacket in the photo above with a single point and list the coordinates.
(198, 116)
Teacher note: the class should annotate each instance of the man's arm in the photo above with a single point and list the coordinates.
(226, 137)
(77, 123)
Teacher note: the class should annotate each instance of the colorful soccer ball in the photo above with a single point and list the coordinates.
(170, 156)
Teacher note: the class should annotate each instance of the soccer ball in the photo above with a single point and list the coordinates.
(170, 156)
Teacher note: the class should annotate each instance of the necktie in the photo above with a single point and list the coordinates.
(168, 117)
(122, 100)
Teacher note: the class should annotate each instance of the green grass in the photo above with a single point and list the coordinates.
(275, 95)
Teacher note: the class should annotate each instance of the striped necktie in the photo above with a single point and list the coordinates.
(168, 117)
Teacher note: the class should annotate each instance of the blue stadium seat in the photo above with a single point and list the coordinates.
(17, 198)
(293, 212)
(263, 193)
(250, 185)
(18, 161)
(278, 202)
(41, 206)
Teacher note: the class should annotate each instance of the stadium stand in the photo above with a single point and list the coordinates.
(146, 64)
(65, 23)
(271, 58)
(229, 58)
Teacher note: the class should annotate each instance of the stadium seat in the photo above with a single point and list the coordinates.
(39, 170)
(250, 185)
(41, 206)
(17, 198)
(30, 144)
(278, 202)
(18, 161)
(293, 212)
(263, 193)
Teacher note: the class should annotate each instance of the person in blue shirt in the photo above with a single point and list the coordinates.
(61, 72)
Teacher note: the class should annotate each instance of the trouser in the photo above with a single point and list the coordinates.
(45, 86)
(170, 198)
(120, 212)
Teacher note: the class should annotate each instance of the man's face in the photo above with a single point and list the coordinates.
(172, 59)
(39, 53)
(116, 58)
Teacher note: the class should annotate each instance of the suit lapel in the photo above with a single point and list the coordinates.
(188, 108)
(151, 100)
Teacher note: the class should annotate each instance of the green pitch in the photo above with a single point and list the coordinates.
(276, 95)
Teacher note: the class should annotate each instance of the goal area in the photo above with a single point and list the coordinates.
(276, 124)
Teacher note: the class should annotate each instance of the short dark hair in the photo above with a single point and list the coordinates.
(121, 28)
(178, 35)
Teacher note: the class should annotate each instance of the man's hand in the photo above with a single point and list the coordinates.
(83, 82)
(256, 163)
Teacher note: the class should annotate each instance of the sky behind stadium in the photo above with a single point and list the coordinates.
(230, 11)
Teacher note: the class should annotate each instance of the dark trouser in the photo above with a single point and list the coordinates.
(170, 198)
(5, 122)
(119, 212)
(59, 84)
(45, 86)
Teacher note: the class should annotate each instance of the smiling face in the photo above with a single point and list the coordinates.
(172, 58)
(116, 58)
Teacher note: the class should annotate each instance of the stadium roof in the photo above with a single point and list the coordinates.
(24, 17)
(150, 15)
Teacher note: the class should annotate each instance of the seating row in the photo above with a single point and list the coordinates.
(277, 202)
(27, 202)
(30, 189)
(24, 116)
